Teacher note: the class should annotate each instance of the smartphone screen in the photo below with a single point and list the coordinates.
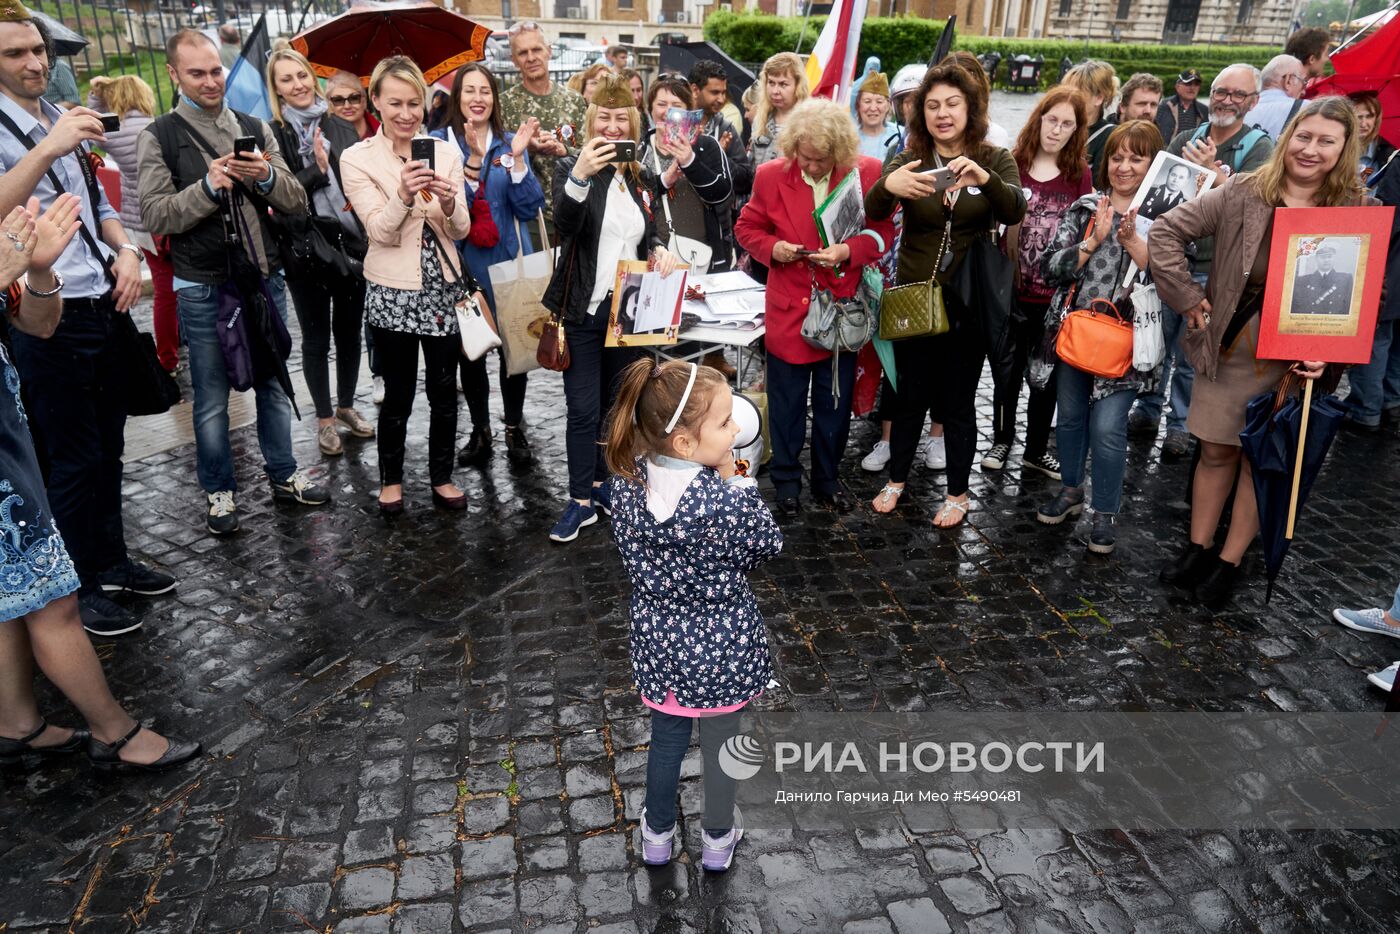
(111, 123)
(244, 146)
(422, 150)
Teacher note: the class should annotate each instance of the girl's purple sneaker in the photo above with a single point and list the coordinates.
(656, 847)
(718, 852)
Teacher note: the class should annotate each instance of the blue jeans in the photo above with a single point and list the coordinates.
(670, 738)
(1102, 426)
(1175, 373)
(199, 316)
(1375, 386)
(1395, 604)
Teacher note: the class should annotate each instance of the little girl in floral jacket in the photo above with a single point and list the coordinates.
(689, 528)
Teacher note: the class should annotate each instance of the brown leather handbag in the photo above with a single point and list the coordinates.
(553, 352)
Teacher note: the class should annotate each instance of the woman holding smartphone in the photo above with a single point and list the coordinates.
(953, 187)
(603, 213)
(407, 190)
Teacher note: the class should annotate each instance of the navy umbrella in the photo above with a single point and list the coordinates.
(1274, 423)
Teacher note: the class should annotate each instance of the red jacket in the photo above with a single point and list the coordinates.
(781, 209)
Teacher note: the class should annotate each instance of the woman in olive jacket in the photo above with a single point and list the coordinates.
(948, 131)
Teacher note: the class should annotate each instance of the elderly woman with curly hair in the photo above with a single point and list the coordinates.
(820, 148)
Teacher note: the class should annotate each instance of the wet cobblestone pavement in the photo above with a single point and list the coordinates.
(428, 725)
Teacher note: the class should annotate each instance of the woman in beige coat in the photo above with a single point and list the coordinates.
(412, 215)
(1313, 165)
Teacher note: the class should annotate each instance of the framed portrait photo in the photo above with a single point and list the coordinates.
(646, 309)
(1326, 266)
(1171, 181)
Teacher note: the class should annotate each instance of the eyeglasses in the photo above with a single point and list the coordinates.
(1222, 94)
(338, 101)
(1298, 78)
(528, 26)
(1052, 124)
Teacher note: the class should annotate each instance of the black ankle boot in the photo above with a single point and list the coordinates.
(518, 446)
(478, 449)
(1218, 583)
(1188, 568)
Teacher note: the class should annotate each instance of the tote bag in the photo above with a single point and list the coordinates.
(519, 285)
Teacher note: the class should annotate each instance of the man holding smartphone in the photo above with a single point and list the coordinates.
(74, 379)
(190, 195)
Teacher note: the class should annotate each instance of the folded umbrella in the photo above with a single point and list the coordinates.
(1274, 425)
(253, 336)
(438, 40)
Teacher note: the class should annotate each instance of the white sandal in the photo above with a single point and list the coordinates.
(889, 495)
(948, 505)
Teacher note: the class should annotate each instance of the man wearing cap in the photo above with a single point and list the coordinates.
(1182, 112)
(1324, 291)
(875, 128)
(906, 82)
(1284, 80)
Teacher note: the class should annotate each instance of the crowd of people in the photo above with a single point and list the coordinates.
(374, 212)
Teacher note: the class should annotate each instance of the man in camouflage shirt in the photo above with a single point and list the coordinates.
(554, 105)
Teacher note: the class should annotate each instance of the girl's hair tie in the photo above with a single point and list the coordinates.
(655, 371)
(685, 397)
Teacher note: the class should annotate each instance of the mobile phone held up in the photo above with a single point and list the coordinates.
(111, 123)
(422, 149)
(244, 146)
(943, 177)
(624, 151)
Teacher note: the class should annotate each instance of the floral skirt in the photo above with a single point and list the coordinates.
(428, 310)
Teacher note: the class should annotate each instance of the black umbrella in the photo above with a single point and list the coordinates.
(248, 305)
(1274, 423)
(679, 57)
(945, 41)
(65, 40)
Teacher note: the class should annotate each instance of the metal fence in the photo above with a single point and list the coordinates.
(129, 38)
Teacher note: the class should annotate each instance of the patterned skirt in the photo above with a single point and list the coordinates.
(429, 310)
(35, 568)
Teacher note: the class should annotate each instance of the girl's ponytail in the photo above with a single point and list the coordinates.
(622, 444)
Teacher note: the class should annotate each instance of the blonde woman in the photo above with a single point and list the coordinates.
(602, 213)
(1313, 165)
(134, 102)
(1099, 83)
(412, 213)
(782, 86)
(312, 140)
(586, 82)
(819, 148)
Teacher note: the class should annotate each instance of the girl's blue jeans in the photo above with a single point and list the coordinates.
(670, 738)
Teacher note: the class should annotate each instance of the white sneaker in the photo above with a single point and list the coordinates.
(936, 454)
(878, 457)
(379, 390)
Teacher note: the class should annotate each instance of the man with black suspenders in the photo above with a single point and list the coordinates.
(75, 378)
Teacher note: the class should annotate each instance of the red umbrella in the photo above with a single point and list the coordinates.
(1373, 64)
(438, 40)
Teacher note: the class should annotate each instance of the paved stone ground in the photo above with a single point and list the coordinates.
(429, 724)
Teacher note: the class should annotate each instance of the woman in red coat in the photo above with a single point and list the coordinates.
(820, 147)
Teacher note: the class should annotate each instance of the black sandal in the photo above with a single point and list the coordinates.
(106, 758)
(12, 751)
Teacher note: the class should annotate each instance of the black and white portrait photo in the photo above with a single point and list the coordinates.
(1326, 272)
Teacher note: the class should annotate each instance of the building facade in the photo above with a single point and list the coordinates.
(1178, 22)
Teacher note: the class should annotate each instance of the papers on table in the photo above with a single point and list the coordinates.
(732, 300)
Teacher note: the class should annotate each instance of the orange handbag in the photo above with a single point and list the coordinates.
(1097, 340)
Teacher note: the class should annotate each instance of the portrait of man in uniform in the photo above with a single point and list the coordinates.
(1326, 288)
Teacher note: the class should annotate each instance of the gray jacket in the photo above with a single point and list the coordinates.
(121, 146)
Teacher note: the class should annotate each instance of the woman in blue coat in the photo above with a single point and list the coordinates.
(505, 195)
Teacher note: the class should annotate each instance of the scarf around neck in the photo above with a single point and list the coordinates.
(305, 120)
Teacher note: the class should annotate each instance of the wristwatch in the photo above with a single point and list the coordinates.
(1086, 247)
(140, 255)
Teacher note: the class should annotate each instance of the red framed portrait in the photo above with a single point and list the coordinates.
(1326, 266)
